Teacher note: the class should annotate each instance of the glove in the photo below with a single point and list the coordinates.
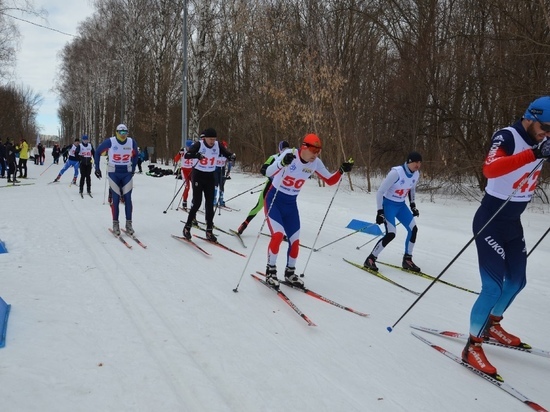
(287, 159)
(346, 166)
(542, 150)
(199, 156)
(233, 157)
(415, 211)
(380, 217)
(98, 173)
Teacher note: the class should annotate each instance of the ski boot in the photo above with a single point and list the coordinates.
(210, 236)
(129, 228)
(474, 356)
(495, 331)
(187, 232)
(242, 227)
(292, 278)
(370, 263)
(271, 276)
(116, 228)
(408, 264)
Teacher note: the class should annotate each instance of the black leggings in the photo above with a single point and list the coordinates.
(203, 182)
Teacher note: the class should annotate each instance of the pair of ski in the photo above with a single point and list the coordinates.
(124, 242)
(421, 274)
(381, 276)
(498, 381)
(204, 251)
(17, 184)
(82, 195)
(260, 277)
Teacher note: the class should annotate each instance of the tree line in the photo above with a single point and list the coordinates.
(374, 79)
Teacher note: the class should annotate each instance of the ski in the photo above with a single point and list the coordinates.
(135, 239)
(220, 245)
(286, 299)
(286, 240)
(129, 246)
(495, 381)
(17, 184)
(235, 233)
(229, 209)
(190, 242)
(524, 347)
(318, 296)
(381, 276)
(426, 276)
(89, 194)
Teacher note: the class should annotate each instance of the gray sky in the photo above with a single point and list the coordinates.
(38, 55)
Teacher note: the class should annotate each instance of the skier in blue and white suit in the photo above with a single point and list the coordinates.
(122, 154)
(399, 184)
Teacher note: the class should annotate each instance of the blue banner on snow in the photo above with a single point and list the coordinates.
(3, 247)
(365, 227)
(4, 314)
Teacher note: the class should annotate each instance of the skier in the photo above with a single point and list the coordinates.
(122, 154)
(288, 174)
(206, 151)
(283, 144)
(501, 249)
(186, 166)
(399, 184)
(85, 154)
(71, 162)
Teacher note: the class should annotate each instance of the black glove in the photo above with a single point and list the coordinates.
(542, 150)
(346, 166)
(199, 156)
(289, 157)
(98, 173)
(380, 217)
(414, 210)
(233, 157)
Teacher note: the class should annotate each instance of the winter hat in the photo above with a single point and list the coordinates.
(84, 137)
(188, 143)
(210, 132)
(539, 110)
(414, 157)
(312, 140)
(283, 144)
(121, 127)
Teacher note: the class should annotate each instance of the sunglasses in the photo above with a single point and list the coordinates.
(312, 148)
(545, 127)
(122, 131)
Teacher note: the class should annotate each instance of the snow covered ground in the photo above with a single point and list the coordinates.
(95, 326)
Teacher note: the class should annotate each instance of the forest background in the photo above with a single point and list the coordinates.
(375, 78)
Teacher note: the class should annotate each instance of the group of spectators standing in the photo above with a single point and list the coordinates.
(9, 152)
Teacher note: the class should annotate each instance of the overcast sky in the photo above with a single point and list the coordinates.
(38, 56)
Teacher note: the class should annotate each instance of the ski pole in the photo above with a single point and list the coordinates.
(231, 198)
(256, 191)
(176, 183)
(181, 187)
(343, 237)
(46, 169)
(525, 179)
(365, 244)
(174, 198)
(105, 183)
(540, 240)
(320, 227)
(259, 232)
